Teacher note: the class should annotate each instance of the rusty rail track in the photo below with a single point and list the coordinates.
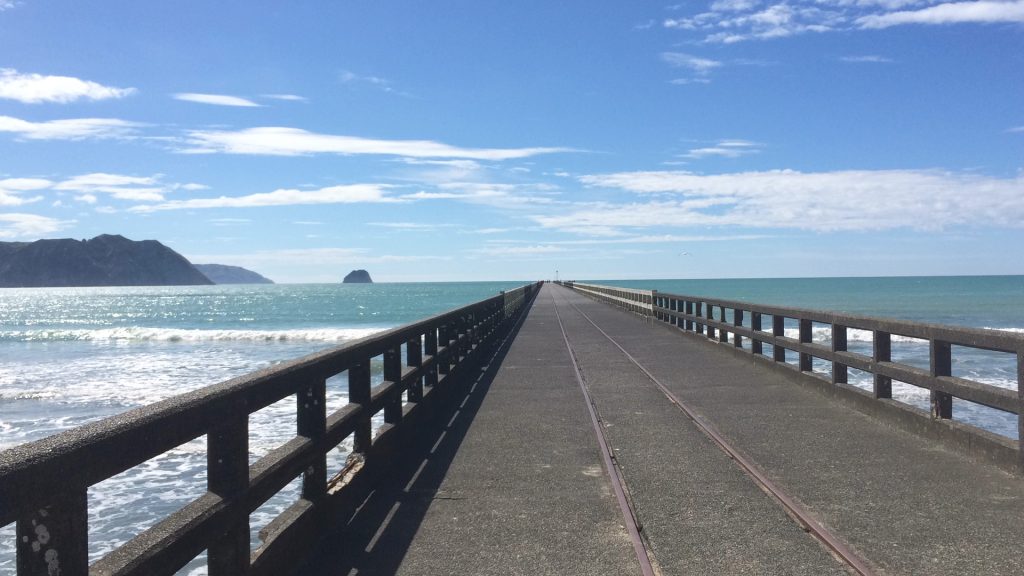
(612, 469)
(807, 521)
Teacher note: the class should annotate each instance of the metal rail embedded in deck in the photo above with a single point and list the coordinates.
(43, 484)
(734, 322)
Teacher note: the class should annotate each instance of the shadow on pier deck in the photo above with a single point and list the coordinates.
(516, 485)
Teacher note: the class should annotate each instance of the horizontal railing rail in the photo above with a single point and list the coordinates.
(753, 327)
(43, 484)
(639, 301)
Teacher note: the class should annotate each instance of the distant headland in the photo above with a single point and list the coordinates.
(106, 260)
(357, 277)
(223, 274)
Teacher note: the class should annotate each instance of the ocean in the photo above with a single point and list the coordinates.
(69, 356)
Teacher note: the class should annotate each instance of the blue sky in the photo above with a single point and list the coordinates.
(476, 140)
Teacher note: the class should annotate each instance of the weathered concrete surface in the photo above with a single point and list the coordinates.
(515, 485)
(700, 513)
(904, 503)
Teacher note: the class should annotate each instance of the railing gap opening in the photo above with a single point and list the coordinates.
(910, 351)
(821, 333)
(860, 379)
(971, 363)
(179, 476)
(337, 392)
(263, 517)
(984, 417)
(911, 395)
(860, 341)
(821, 367)
(791, 357)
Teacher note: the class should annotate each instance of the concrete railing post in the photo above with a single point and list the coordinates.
(227, 463)
(779, 331)
(941, 365)
(756, 346)
(882, 352)
(806, 336)
(840, 372)
(359, 393)
(393, 373)
(54, 539)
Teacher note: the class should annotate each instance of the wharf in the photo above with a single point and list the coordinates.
(517, 482)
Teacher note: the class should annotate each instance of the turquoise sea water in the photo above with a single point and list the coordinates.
(69, 356)
(73, 355)
(993, 302)
(975, 301)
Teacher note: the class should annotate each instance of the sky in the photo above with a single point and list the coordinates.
(487, 140)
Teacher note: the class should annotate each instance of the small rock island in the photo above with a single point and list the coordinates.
(357, 277)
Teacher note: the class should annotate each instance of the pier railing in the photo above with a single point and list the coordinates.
(639, 301)
(43, 484)
(761, 331)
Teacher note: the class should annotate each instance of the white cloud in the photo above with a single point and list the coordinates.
(410, 226)
(822, 201)
(496, 195)
(725, 149)
(695, 63)
(980, 12)
(29, 226)
(1017, 129)
(87, 187)
(23, 184)
(730, 21)
(438, 172)
(870, 58)
(687, 81)
(216, 99)
(70, 129)
(281, 141)
(119, 186)
(7, 4)
(37, 88)
(286, 97)
(734, 5)
(504, 250)
(350, 78)
(229, 221)
(347, 194)
(11, 198)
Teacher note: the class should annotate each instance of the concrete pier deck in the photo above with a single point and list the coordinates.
(516, 484)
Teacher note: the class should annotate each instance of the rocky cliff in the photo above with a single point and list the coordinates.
(105, 260)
